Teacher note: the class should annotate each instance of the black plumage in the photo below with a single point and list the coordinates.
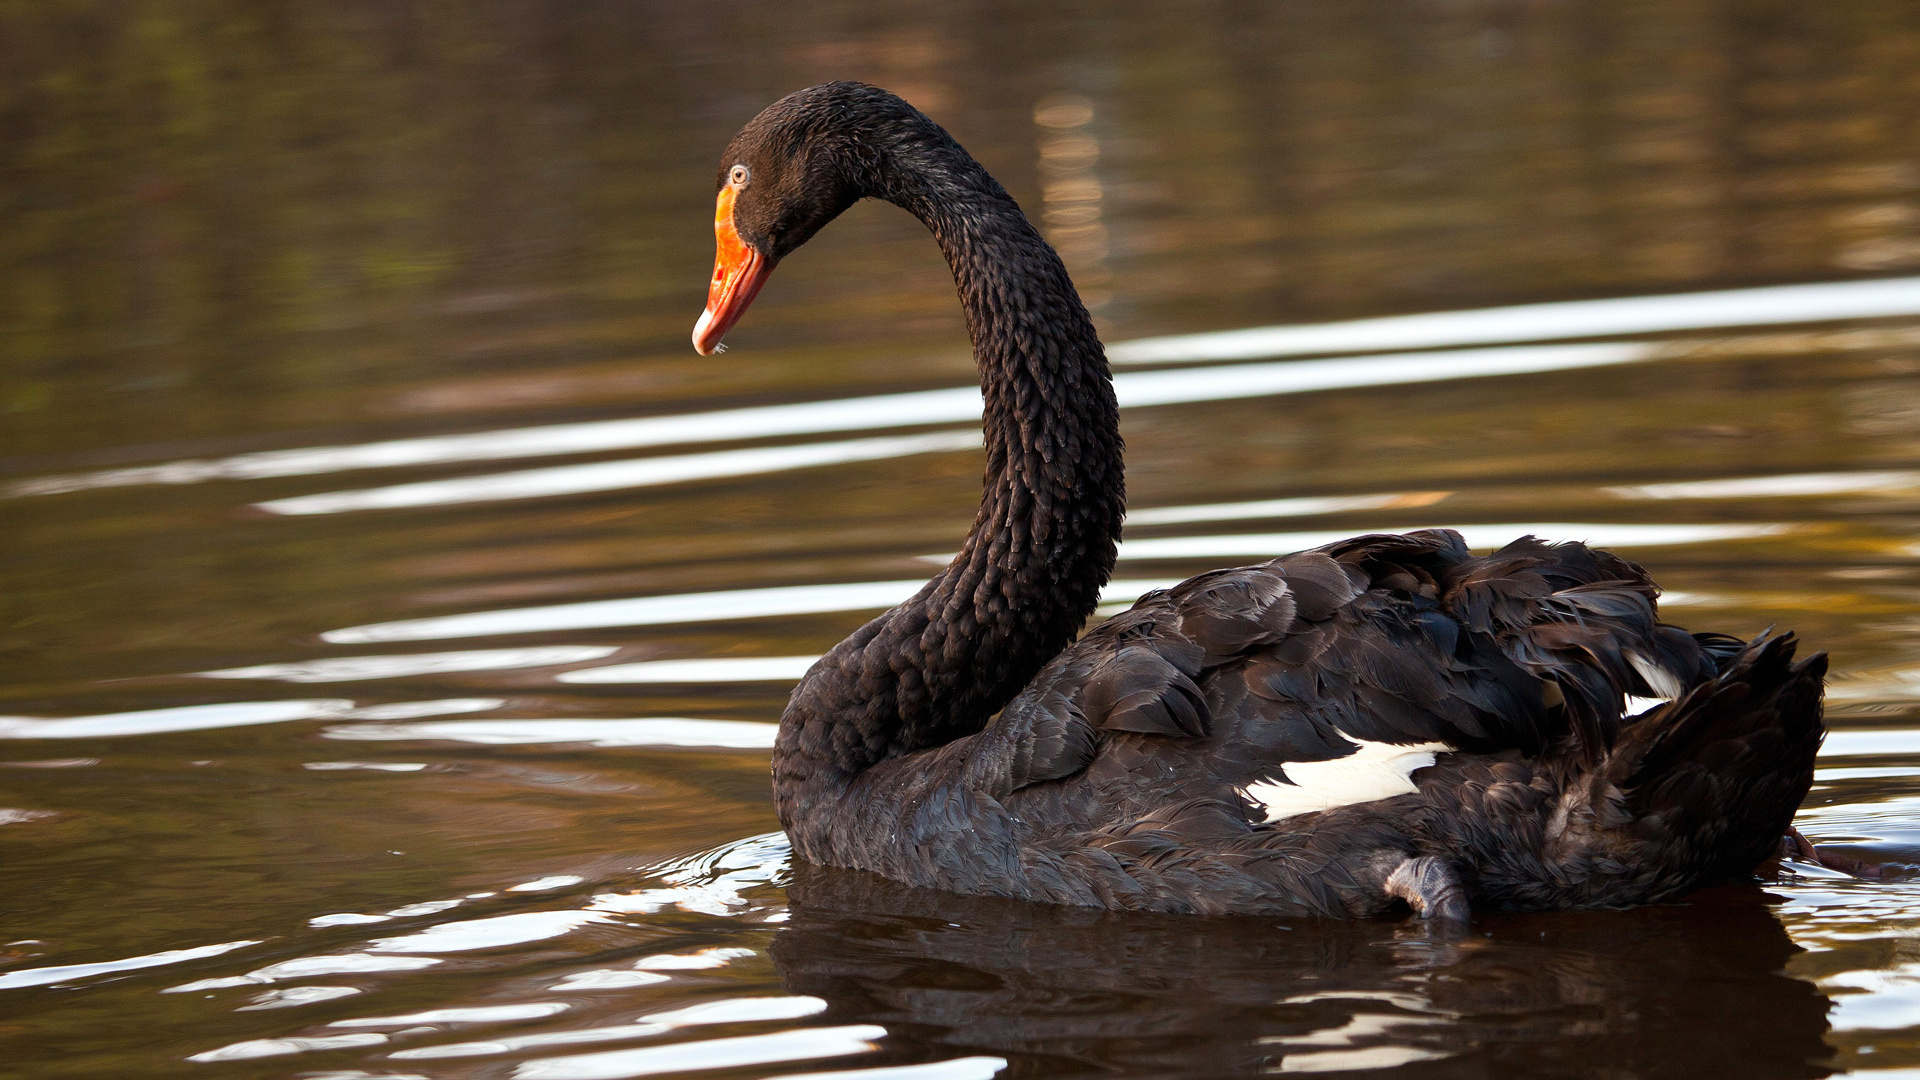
(965, 741)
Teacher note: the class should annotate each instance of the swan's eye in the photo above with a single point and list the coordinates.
(739, 176)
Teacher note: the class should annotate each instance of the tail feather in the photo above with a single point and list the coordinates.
(1710, 782)
(1697, 791)
(1722, 649)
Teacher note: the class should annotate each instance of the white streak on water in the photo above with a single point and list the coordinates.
(426, 907)
(1794, 484)
(1884, 1000)
(407, 710)
(646, 970)
(758, 422)
(652, 731)
(669, 609)
(1770, 306)
(724, 1011)
(1299, 506)
(510, 1043)
(347, 918)
(622, 475)
(1487, 326)
(66, 972)
(1879, 684)
(308, 967)
(1871, 742)
(738, 1010)
(224, 715)
(639, 611)
(1865, 772)
(707, 959)
(493, 933)
(556, 881)
(1364, 1058)
(292, 996)
(1135, 390)
(714, 669)
(359, 668)
(482, 1014)
(606, 979)
(713, 883)
(1597, 534)
(259, 1048)
(184, 718)
(738, 1052)
(978, 1067)
(1233, 381)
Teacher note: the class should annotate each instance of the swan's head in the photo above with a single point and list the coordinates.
(792, 169)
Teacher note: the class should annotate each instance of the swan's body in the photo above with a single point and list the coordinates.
(1387, 719)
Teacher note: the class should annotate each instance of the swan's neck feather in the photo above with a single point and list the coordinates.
(940, 665)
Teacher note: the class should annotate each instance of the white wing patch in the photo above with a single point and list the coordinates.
(1377, 770)
(1666, 685)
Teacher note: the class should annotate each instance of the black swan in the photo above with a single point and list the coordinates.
(1385, 720)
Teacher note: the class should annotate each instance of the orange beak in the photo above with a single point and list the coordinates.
(738, 272)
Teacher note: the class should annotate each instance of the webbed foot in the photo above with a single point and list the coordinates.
(1430, 887)
(1796, 845)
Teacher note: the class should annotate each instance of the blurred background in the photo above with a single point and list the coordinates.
(344, 371)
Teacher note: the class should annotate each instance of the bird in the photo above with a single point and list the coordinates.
(1389, 724)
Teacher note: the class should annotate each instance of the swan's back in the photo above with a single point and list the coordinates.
(1385, 641)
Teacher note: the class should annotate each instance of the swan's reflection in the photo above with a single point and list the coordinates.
(1695, 990)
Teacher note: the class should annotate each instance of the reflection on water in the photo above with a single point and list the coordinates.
(711, 669)
(227, 714)
(1300, 506)
(641, 611)
(727, 1011)
(1081, 990)
(338, 330)
(684, 608)
(803, 1045)
(74, 972)
(1534, 322)
(618, 475)
(1542, 322)
(360, 668)
(1256, 545)
(881, 411)
(1869, 742)
(1754, 487)
(811, 418)
(655, 731)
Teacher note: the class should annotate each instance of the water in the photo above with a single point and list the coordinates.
(396, 609)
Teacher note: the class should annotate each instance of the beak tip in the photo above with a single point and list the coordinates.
(702, 344)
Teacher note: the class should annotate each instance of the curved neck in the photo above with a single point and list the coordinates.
(940, 665)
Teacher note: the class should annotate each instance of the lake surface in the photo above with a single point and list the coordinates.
(395, 610)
